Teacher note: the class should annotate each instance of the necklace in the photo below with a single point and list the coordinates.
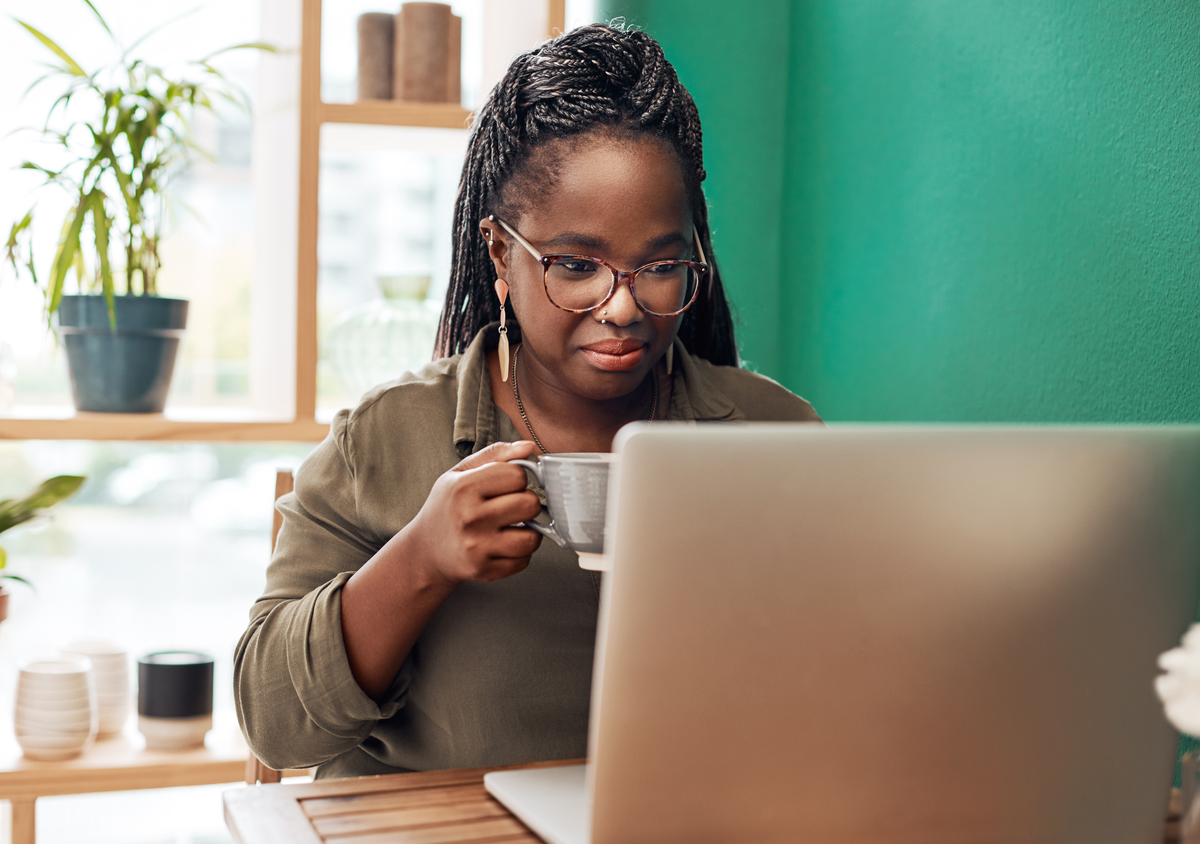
(525, 416)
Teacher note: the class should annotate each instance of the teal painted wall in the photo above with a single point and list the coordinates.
(971, 210)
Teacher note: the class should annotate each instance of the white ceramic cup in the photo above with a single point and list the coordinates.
(110, 673)
(56, 714)
(576, 488)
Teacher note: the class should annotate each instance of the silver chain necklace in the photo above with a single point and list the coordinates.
(525, 416)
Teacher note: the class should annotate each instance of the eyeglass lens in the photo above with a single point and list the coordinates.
(579, 285)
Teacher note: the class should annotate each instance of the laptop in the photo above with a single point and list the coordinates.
(868, 634)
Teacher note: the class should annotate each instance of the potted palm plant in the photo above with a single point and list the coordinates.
(16, 511)
(117, 165)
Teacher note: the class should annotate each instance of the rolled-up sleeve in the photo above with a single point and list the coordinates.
(297, 700)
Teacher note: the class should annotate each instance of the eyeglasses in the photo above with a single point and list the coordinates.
(579, 283)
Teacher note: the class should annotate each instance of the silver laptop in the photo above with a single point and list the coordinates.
(883, 634)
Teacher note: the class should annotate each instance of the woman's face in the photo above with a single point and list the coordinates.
(620, 200)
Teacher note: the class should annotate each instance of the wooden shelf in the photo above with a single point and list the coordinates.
(122, 763)
(155, 426)
(119, 763)
(391, 113)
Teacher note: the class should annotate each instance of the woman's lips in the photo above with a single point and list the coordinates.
(615, 355)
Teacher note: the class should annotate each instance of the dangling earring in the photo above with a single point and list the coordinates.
(502, 292)
(670, 357)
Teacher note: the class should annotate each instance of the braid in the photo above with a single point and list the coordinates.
(594, 77)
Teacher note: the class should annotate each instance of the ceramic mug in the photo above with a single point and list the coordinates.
(576, 497)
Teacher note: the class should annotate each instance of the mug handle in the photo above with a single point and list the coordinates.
(549, 530)
(531, 466)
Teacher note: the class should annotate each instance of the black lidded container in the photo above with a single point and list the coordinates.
(175, 684)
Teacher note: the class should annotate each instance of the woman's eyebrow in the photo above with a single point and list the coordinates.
(591, 242)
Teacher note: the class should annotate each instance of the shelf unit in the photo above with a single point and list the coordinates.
(303, 424)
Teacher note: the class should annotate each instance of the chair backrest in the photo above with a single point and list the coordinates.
(256, 771)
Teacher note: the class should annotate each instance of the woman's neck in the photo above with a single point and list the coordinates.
(563, 421)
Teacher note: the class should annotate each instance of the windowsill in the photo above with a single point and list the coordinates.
(232, 423)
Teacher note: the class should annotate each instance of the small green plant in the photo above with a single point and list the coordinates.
(16, 511)
(117, 165)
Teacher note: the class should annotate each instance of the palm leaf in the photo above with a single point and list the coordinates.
(101, 224)
(16, 577)
(38, 81)
(65, 256)
(10, 247)
(16, 229)
(47, 494)
(72, 66)
(11, 520)
(103, 23)
(249, 45)
(152, 31)
(51, 175)
(80, 270)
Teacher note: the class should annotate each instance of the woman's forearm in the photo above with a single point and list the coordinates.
(385, 606)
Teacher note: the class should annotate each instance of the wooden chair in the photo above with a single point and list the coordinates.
(256, 771)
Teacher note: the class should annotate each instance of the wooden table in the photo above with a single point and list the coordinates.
(436, 807)
(120, 763)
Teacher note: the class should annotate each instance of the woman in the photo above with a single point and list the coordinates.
(407, 624)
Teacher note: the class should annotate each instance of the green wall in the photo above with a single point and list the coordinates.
(970, 210)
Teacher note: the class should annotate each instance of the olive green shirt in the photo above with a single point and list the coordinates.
(502, 673)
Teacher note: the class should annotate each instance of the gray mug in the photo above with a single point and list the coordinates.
(576, 497)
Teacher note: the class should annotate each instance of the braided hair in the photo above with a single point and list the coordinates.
(597, 78)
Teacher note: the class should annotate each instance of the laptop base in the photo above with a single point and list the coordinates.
(553, 802)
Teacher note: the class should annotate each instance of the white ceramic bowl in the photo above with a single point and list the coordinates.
(109, 684)
(71, 737)
(47, 669)
(51, 750)
(67, 720)
(74, 687)
(96, 648)
(112, 726)
(51, 755)
(58, 677)
(112, 690)
(55, 716)
(46, 742)
(50, 700)
(109, 666)
(112, 718)
(110, 674)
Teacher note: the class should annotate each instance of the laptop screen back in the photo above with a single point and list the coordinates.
(869, 634)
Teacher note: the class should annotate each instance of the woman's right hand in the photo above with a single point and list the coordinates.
(465, 530)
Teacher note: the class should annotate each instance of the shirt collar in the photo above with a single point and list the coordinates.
(694, 396)
(477, 422)
(476, 425)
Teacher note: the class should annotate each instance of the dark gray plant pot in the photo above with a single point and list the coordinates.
(128, 371)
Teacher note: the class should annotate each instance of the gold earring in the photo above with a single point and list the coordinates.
(502, 293)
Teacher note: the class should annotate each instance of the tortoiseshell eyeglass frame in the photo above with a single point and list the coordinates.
(700, 267)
